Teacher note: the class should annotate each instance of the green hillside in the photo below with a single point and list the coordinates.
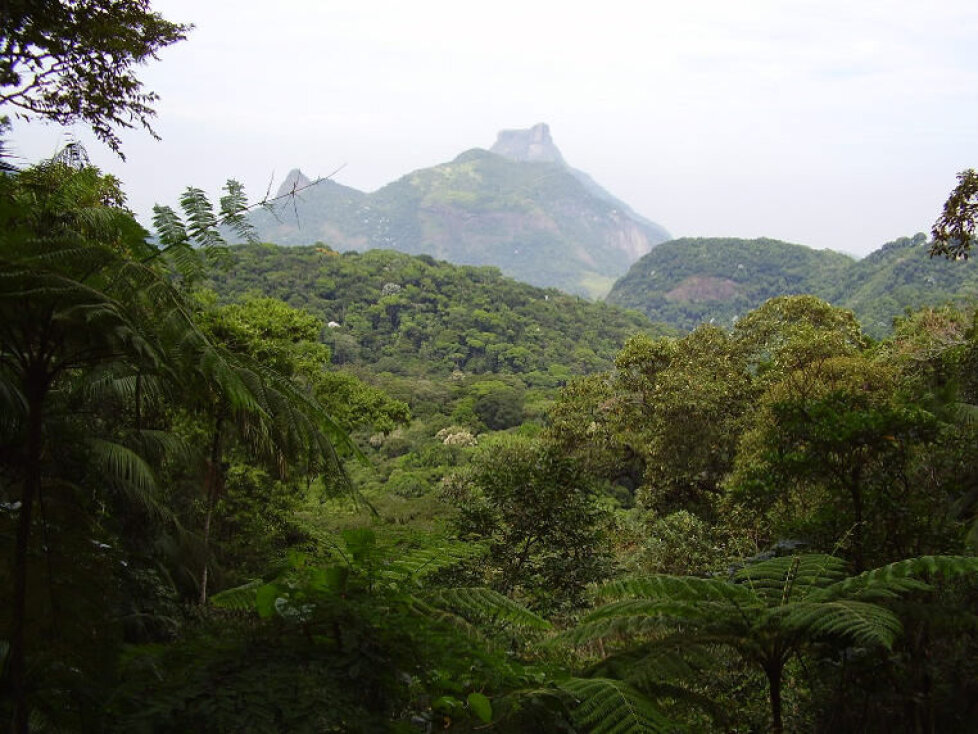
(902, 275)
(690, 281)
(537, 221)
(414, 315)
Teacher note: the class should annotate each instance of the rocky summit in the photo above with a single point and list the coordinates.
(533, 145)
(518, 207)
(293, 183)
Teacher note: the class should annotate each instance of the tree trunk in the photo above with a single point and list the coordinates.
(212, 488)
(31, 489)
(858, 561)
(774, 683)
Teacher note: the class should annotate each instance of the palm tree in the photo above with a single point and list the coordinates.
(767, 613)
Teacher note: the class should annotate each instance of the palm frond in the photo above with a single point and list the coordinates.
(122, 466)
(127, 472)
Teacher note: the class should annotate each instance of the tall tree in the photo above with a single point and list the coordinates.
(76, 301)
(537, 511)
(954, 230)
(829, 456)
(72, 60)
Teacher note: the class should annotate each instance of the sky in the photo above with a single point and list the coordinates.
(834, 124)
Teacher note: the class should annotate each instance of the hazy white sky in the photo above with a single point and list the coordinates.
(830, 123)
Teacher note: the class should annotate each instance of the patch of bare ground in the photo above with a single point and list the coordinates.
(697, 288)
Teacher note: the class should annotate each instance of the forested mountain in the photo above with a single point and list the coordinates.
(902, 275)
(690, 281)
(480, 506)
(411, 314)
(521, 209)
(687, 282)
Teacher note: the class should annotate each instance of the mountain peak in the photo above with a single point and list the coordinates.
(295, 180)
(533, 144)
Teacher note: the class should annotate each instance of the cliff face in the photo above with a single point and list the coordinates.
(533, 145)
(518, 207)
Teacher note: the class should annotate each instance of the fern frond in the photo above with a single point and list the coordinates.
(448, 618)
(965, 413)
(657, 662)
(201, 221)
(239, 599)
(605, 706)
(234, 207)
(186, 261)
(677, 588)
(477, 603)
(170, 229)
(13, 404)
(928, 566)
(417, 563)
(862, 622)
(680, 610)
(614, 628)
(788, 577)
(901, 577)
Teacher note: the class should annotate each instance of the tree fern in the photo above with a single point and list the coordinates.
(766, 612)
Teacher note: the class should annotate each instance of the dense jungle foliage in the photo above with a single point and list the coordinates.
(265, 490)
(413, 315)
(226, 517)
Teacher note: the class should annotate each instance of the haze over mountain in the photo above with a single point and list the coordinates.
(518, 207)
(689, 281)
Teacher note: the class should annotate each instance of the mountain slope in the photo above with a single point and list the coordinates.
(530, 215)
(688, 281)
(902, 275)
(413, 315)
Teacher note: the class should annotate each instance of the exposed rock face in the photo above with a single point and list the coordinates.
(533, 145)
(519, 207)
(295, 180)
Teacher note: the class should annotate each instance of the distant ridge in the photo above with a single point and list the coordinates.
(689, 281)
(518, 207)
